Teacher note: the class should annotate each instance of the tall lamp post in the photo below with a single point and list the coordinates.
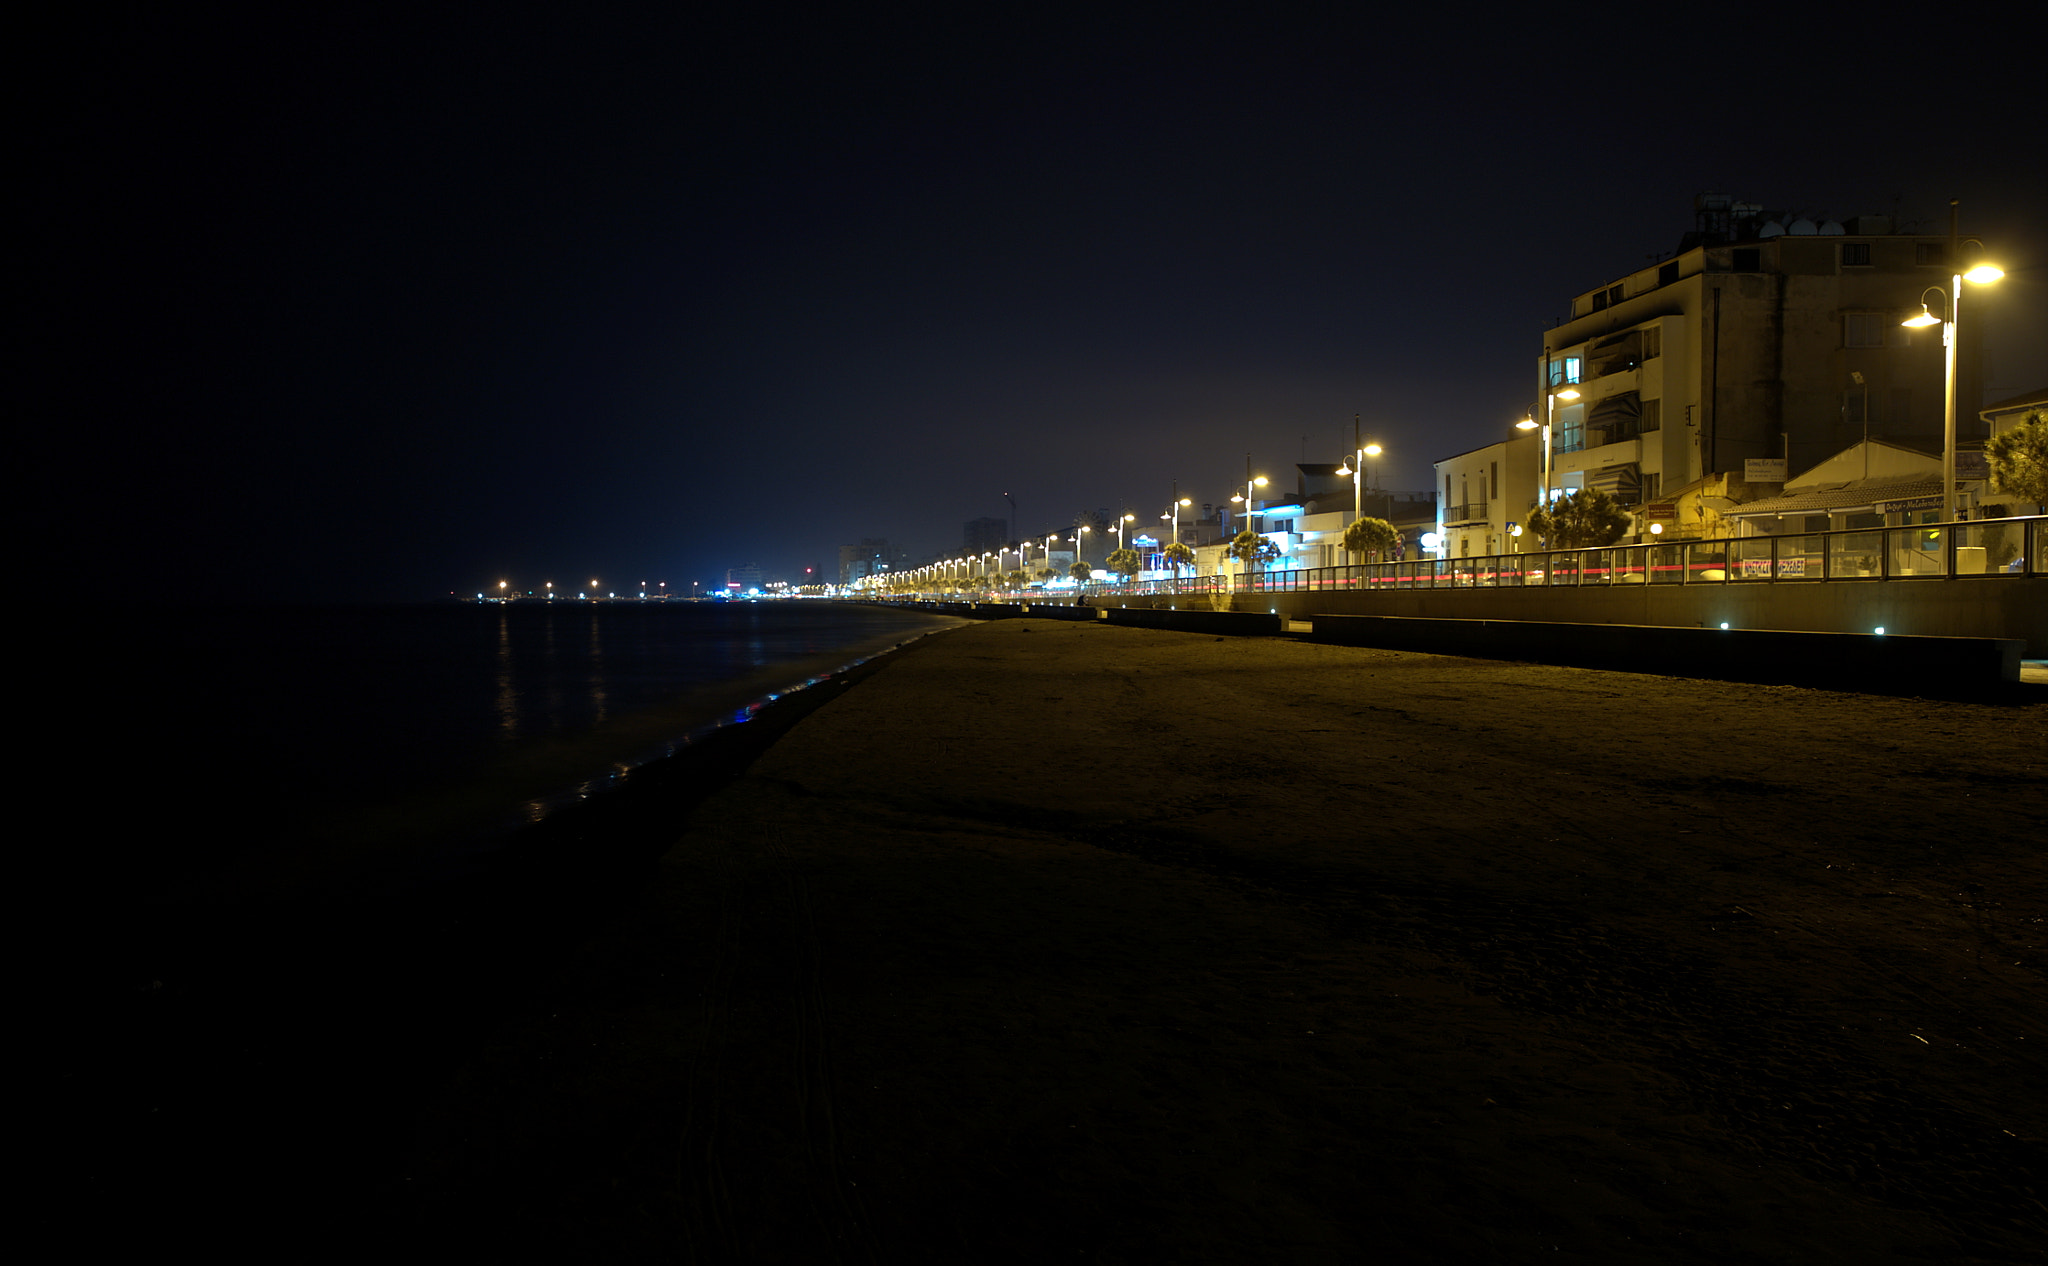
(1251, 482)
(1173, 511)
(1542, 493)
(1356, 469)
(1982, 274)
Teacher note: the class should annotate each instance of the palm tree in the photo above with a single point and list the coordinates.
(1179, 556)
(1249, 548)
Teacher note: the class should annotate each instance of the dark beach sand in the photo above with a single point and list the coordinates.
(1043, 942)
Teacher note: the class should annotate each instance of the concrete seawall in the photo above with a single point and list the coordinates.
(1988, 607)
(1857, 660)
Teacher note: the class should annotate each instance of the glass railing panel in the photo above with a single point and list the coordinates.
(1992, 547)
(1629, 565)
(1855, 555)
(1596, 567)
(1802, 557)
(1706, 562)
(1667, 564)
(1916, 551)
(1750, 558)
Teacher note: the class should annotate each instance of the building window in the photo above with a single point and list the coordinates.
(1930, 252)
(1653, 415)
(1607, 298)
(1570, 435)
(1653, 342)
(1667, 273)
(1495, 485)
(1564, 370)
(1746, 259)
(1864, 329)
(1855, 254)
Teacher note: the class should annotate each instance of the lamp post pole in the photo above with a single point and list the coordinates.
(1950, 321)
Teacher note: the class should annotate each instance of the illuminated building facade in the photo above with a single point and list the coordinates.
(1764, 336)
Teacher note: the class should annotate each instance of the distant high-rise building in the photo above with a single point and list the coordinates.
(981, 535)
(744, 577)
(871, 557)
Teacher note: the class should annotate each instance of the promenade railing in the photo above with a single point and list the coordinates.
(1973, 550)
(1980, 549)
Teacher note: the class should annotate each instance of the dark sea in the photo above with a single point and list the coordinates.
(290, 748)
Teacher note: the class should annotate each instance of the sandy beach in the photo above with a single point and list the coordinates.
(1060, 942)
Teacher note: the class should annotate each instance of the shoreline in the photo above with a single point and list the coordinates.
(408, 838)
(350, 1002)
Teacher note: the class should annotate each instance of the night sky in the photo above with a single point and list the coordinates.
(340, 303)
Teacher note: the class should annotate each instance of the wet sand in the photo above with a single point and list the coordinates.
(1057, 942)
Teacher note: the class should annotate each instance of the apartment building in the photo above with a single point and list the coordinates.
(1763, 336)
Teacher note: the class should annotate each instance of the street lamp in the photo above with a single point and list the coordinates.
(1530, 424)
(1357, 471)
(1982, 274)
(1251, 481)
(1173, 513)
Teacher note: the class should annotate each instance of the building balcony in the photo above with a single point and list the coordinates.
(1470, 512)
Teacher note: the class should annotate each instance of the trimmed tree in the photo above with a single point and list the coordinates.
(1580, 520)
(1125, 561)
(1179, 556)
(1371, 536)
(1080, 572)
(1047, 573)
(1251, 549)
(2019, 459)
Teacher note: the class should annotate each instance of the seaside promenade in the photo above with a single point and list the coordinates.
(1044, 941)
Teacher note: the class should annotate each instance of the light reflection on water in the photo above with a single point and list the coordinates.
(368, 722)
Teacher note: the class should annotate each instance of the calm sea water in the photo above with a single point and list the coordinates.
(289, 746)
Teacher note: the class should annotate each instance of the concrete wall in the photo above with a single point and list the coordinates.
(1998, 607)
(1935, 664)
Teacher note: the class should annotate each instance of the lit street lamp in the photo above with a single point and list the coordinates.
(1251, 482)
(1361, 451)
(1982, 274)
(1173, 510)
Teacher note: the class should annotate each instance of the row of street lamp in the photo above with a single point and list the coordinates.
(962, 567)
